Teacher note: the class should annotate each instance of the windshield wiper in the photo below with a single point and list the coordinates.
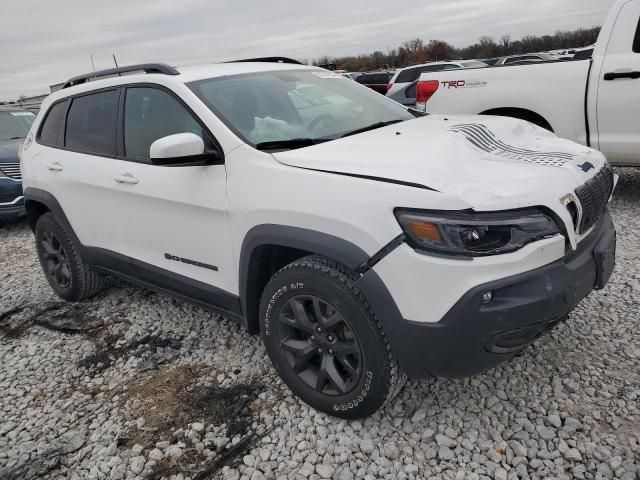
(373, 126)
(290, 144)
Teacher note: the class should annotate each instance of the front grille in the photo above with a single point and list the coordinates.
(594, 196)
(11, 170)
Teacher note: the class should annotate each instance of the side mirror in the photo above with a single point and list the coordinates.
(186, 149)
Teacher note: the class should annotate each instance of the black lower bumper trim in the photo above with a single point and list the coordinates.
(475, 336)
(12, 211)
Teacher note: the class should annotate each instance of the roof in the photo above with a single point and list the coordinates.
(200, 72)
(185, 75)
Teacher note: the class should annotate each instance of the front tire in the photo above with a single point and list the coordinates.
(67, 273)
(324, 340)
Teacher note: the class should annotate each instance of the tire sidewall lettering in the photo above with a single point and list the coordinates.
(351, 404)
(274, 299)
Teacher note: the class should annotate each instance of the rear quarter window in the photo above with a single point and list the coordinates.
(52, 124)
(636, 39)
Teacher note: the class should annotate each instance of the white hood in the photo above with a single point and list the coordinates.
(491, 163)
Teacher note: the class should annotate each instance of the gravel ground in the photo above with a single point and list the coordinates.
(136, 385)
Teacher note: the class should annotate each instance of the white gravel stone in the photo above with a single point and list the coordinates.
(136, 464)
(554, 420)
(156, 455)
(500, 474)
(419, 415)
(198, 427)
(173, 451)
(325, 471)
(367, 446)
(518, 448)
(573, 455)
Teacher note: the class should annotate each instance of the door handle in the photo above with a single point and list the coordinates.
(55, 167)
(615, 75)
(126, 178)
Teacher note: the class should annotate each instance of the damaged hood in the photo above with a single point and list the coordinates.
(491, 163)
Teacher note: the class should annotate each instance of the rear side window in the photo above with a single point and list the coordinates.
(408, 75)
(151, 114)
(91, 123)
(412, 74)
(375, 78)
(53, 124)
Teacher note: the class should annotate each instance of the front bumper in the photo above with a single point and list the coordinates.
(14, 210)
(474, 336)
(11, 199)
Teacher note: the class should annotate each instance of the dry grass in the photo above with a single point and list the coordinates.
(172, 398)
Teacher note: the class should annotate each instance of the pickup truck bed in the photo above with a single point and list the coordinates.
(595, 102)
(554, 102)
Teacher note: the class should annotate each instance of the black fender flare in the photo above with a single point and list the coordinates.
(42, 197)
(353, 257)
(312, 241)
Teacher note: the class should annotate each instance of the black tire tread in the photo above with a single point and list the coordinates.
(89, 282)
(346, 279)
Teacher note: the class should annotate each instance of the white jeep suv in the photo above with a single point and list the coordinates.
(365, 242)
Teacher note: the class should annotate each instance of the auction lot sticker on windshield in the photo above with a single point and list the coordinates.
(21, 114)
(326, 75)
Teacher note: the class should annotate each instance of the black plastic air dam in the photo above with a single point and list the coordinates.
(474, 337)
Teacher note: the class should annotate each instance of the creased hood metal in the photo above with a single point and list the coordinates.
(492, 163)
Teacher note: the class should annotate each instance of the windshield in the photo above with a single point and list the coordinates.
(281, 106)
(15, 125)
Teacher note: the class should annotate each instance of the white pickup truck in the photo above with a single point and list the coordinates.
(595, 102)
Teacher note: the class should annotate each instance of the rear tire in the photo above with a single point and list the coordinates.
(67, 273)
(325, 341)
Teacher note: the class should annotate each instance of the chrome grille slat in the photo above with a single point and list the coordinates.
(593, 197)
(11, 170)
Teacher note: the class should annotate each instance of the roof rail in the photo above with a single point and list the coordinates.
(143, 67)
(269, 60)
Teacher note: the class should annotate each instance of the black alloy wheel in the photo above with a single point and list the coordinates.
(319, 345)
(55, 260)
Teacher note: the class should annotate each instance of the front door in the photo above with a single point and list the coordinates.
(619, 90)
(174, 219)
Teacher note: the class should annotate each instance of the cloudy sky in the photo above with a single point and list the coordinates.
(44, 42)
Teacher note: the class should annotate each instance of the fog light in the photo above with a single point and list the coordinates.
(487, 296)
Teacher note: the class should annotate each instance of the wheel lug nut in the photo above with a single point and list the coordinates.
(331, 351)
(319, 350)
(312, 338)
(318, 329)
(330, 338)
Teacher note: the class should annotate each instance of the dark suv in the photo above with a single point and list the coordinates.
(14, 127)
(378, 81)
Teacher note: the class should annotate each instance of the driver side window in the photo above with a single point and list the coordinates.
(151, 114)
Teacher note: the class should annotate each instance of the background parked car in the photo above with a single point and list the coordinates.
(352, 75)
(525, 59)
(14, 127)
(378, 81)
(402, 87)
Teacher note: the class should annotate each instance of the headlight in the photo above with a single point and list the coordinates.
(474, 234)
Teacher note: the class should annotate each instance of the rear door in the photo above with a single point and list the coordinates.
(174, 219)
(76, 163)
(618, 101)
